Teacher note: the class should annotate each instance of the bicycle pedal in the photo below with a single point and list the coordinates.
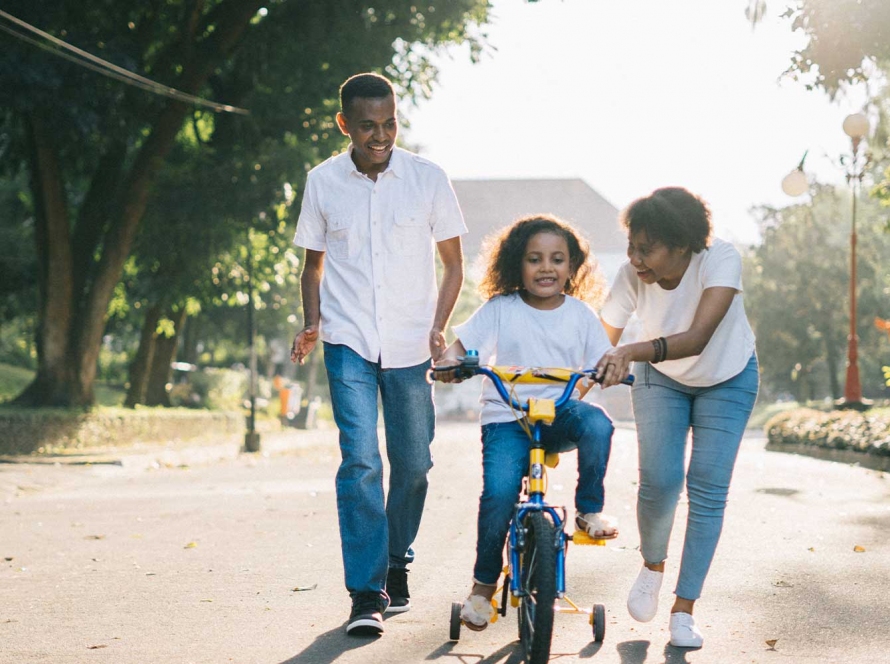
(582, 538)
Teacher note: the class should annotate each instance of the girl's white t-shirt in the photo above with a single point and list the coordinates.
(507, 331)
(666, 312)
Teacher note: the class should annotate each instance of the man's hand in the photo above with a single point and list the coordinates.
(437, 343)
(304, 342)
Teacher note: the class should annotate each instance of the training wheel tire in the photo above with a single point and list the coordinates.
(598, 620)
(454, 632)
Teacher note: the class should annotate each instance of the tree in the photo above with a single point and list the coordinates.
(94, 148)
(797, 294)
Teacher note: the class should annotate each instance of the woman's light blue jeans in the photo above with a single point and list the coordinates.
(375, 537)
(505, 458)
(665, 411)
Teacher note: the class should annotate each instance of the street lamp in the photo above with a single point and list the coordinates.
(856, 127)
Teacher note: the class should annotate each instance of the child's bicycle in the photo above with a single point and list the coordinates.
(535, 576)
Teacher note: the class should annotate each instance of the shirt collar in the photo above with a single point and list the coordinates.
(396, 166)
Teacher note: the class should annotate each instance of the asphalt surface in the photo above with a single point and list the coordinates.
(215, 558)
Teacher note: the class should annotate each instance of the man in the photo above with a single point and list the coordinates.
(369, 220)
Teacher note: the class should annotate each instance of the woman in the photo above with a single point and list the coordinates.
(697, 371)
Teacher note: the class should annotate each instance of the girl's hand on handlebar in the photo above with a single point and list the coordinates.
(614, 366)
(446, 376)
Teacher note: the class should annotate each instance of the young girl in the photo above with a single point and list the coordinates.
(539, 273)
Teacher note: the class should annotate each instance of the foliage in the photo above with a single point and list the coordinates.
(797, 295)
(840, 429)
(112, 156)
(847, 41)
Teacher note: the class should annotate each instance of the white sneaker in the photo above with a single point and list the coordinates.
(642, 601)
(476, 612)
(684, 633)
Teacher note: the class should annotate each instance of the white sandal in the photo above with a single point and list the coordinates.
(597, 525)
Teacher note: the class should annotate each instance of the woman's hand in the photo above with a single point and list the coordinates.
(614, 366)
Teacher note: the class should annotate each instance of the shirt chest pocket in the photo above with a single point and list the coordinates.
(410, 232)
(337, 238)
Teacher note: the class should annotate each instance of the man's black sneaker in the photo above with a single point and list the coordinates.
(397, 589)
(366, 618)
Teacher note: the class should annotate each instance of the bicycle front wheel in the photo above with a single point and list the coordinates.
(538, 585)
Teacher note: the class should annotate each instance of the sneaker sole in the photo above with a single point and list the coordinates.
(365, 627)
(398, 609)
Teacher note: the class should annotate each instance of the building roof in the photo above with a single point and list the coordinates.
(489, 205)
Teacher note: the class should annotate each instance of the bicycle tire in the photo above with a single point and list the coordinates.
(538, 585)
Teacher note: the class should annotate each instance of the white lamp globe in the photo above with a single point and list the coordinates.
(795, 183)
(856, 125)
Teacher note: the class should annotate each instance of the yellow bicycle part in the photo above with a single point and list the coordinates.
(541, 410)
(583, 538)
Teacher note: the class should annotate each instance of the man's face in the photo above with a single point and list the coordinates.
(372, 126)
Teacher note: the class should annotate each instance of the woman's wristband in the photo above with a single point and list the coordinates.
(660, 347)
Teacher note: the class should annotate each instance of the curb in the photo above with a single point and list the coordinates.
(852, 457)
(188, 453)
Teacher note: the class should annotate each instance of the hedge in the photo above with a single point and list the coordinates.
(60, 431)
(867, 432)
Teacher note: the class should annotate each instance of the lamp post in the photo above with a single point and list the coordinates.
(856, 127)
(795, 184)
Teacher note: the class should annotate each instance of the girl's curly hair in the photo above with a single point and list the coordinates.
(506, 251)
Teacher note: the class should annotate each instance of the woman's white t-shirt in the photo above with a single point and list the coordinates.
(666, 312)
(507, 331)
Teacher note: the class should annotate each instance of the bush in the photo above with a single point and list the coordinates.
(211, 388)
(867, 431)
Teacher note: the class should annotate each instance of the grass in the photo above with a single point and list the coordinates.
(14, 379)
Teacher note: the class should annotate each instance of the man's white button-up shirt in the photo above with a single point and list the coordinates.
(378, 289)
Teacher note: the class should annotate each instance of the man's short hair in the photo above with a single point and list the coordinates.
(366, 86)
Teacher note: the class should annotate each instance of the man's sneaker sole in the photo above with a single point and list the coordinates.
(398, 609)
(365, 627)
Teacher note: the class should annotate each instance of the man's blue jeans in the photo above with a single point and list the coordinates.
(373, 537)
(505, 458)
(665, 411)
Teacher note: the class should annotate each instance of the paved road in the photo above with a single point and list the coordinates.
(112, 564)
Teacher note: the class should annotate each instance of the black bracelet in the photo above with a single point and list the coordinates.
(663, 343)
(657, 347)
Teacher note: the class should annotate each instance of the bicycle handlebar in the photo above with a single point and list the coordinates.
(469, 366)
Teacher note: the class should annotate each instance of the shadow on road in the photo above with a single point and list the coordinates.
(329, 646)
(512, 652)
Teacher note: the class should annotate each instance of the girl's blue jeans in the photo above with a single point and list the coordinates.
(665, 411)
(375, 535)
(505, 458)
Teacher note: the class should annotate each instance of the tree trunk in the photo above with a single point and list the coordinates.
(139, 369)
(161, 373)
(53, 382)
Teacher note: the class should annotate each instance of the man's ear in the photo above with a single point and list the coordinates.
(341, 122)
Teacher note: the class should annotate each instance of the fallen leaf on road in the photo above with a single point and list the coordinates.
(812, 548)
(207, 600)
(783, 584)
(190, 545)
(95, 537)
(10, 559)
(859, 549)
(302, 588)
(96, 647)
(772, 642)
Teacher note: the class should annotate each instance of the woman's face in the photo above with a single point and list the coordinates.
(655, 262)
(545, 270)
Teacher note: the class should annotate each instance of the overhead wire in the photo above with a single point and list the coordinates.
(98, 65)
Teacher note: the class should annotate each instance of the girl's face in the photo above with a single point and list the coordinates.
(545, 270)
(655, 262)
